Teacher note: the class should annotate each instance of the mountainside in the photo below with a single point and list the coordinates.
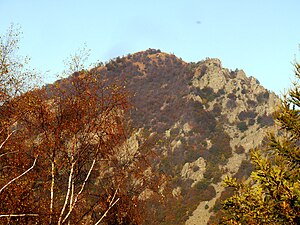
(203, 118)
(143, 139)
(147, 133)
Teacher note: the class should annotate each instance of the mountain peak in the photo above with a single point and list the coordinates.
(213, 62)
(206, 117)
(200, 118)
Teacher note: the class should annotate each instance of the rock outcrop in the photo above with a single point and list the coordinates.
(204, 119)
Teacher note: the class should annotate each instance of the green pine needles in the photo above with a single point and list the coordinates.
(272, 194)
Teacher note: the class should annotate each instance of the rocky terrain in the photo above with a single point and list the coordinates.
(204, 120)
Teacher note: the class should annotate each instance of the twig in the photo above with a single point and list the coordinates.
(7, 153)
(112, 205)
(19, 175)
(8, 136)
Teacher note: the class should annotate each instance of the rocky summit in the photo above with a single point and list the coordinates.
(204, 120)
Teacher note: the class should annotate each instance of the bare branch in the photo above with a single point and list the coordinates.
(82, 187)
(68, 194)
(18, 215)
(8, 136)
(52, 190)
(16, 178)
(7, 153)
(111, 205)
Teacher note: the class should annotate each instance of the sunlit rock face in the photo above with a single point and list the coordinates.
(202, 120)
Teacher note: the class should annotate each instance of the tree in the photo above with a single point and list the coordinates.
(15, 76)
(15, 79)
(272, 194)
(65, 157)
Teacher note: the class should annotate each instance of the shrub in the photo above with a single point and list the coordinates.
(208, 194)
(202, 184)
(242, 126)
(245, 170)
(251, 103)
(265, 120)
(240, 149)
(231, 96)
(263, 97)
(230, 104)
(251, 122)
(247, 115)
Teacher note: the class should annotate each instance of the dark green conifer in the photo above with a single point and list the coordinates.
(272, 193)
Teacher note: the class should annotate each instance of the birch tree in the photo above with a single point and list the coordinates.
(64, 155)
(15, 79)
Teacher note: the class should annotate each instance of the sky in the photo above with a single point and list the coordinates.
(261, 37)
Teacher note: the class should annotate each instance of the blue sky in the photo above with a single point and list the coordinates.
(261, 37)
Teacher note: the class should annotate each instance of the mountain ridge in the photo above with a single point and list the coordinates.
(206, 117)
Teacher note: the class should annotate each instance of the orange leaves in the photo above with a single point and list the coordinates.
(72, 125)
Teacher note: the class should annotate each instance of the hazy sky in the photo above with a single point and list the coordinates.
(259, 36)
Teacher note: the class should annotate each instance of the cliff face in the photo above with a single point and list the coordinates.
(204, 119)
(244, 111)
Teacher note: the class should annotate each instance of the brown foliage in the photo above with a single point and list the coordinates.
(64, 156)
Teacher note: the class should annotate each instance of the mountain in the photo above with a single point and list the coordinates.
(204, 119)
(143, 139)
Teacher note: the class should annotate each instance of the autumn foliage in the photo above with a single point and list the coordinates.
(64, 157)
